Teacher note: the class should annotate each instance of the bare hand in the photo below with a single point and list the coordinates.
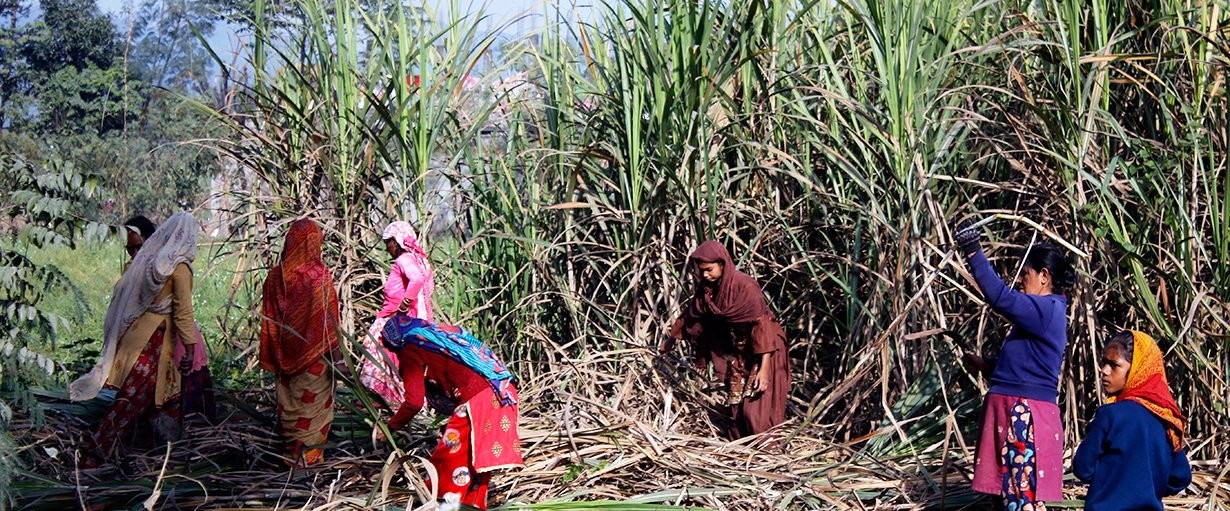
(759, 383)
(975, 364)
(378, 434)
(339, 362)
(185, 364)
(666, 346)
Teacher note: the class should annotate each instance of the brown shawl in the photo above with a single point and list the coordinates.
(734, 298)
(300, 309)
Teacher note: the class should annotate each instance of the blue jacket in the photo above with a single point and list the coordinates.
(1028, 364)
(1127, 460)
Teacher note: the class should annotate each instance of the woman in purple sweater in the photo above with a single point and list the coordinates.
(1020, 450)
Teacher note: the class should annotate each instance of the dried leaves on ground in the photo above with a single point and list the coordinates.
(595, 438)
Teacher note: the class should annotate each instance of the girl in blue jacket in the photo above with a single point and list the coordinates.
(1133, 454)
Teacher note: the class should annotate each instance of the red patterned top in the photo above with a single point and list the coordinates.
(459, 382)
(299, 310)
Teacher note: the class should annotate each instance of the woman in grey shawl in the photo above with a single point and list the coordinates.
(150, 338)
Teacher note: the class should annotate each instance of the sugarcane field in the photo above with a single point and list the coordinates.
(624, 255)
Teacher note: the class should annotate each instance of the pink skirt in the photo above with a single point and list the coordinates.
(1020, 449)
(378, 371)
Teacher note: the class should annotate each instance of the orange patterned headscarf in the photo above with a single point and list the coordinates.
(299, 311)
(1146, 384)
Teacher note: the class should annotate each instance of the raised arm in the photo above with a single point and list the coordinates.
(1025, 311)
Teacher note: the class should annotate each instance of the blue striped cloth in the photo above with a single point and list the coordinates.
(459, 345)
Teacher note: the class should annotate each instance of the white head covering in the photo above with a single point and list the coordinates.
(172, 243)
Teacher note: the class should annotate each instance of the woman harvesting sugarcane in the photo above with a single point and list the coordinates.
(298, 342)
(730, 326)
(407, 289)
(153, 355)
(1020, 450)
(446, 368)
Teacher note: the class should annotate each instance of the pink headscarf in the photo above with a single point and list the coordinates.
(403, 233)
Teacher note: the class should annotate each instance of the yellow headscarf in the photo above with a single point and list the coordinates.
(1146, 384)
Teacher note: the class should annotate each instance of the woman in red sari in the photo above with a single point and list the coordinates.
(447, 368)
(729, 324)
(299, 316)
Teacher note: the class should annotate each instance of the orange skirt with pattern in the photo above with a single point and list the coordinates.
(305, 410)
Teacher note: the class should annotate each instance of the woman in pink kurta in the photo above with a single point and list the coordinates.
(407, 289)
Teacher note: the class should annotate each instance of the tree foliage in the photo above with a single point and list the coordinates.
(41, 211)
(59, 70)
(80, 90)
(168, 52)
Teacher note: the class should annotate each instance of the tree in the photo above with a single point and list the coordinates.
(68, 55)
(44, 200)
(71, 33)
(92, 100)
(168, 52)
(10, 12)
(71, 84)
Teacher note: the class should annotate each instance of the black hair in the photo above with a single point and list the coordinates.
(1124, 342)
(1045, 256)
(143, 225)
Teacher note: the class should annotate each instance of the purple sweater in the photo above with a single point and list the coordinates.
(1028, 364)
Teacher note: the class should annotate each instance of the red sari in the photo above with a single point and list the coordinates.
(299, 316)
(481, 434)
(134, 402)
(731, 327)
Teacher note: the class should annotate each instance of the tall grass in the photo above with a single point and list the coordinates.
(334, 126)
(831, 145)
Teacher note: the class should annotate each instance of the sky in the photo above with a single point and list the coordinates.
(527, 13)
